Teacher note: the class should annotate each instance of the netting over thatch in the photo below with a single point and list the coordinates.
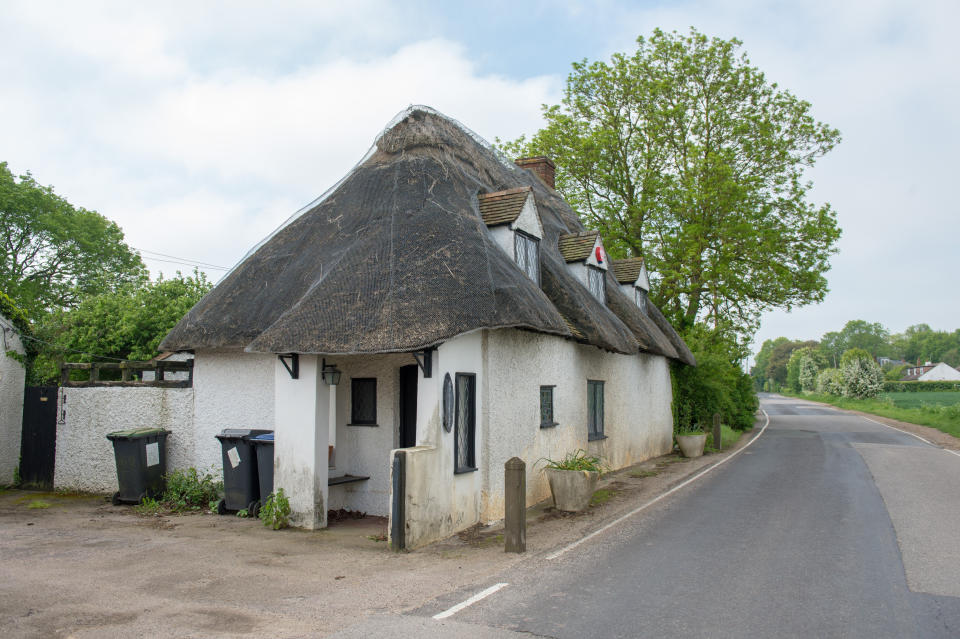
(397, 258)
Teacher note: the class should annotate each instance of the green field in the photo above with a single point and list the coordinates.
(916, 400)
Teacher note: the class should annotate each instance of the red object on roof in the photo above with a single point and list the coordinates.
(600, 255)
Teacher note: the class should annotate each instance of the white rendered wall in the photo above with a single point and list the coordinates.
(84, 456)
(11, 402)
(638, 422)
(439, 503)
(301, 432)
(233, 390)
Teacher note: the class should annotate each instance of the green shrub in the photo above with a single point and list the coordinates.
(188, 490)
(919, 387)
(148, 506)
(830, 381)
(275, 512)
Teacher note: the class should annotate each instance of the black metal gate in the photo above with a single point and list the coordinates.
(38, 444)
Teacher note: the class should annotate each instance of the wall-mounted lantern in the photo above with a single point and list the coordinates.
(330, 374)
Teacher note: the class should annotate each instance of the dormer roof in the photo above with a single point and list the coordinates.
(627, 271)
(577, 247)
(503, 207)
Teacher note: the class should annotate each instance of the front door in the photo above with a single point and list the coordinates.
(408, 406)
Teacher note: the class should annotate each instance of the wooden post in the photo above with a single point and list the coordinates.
(515, 505)
(716, 431)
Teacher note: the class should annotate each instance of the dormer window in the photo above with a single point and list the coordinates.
(514, 223)
(526, 251)
(631, 274)
(586, 260)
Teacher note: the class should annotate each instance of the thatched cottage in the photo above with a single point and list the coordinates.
(441, 302)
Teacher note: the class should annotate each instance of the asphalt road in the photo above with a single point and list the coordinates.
(795, 537)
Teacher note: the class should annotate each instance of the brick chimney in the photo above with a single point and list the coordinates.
(541, 165)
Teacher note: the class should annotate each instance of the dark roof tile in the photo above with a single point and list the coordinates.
(503, 207)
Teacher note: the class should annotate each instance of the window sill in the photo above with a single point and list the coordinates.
(367, 425)
(461, 471)
(594, 438)
(548, 425)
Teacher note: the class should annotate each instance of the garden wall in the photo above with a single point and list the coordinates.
(84, 455)
(11, 401)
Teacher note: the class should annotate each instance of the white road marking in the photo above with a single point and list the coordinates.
(905, 432)
(449, 612)
(633, 512)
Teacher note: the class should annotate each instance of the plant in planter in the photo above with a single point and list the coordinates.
(691, 440)
(573, 480)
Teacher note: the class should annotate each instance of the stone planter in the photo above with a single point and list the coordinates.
(572, 489)
(692, 445)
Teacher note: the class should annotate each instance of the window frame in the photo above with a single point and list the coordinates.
(640, 297)
(364, 382)
(471, 455)
(551, 421)
(595, 426)
(525, 239)
(600, 275)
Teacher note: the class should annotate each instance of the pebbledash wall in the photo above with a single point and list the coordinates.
(11, 401)
(511, 366)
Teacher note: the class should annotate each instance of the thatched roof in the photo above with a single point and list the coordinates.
(397, 257)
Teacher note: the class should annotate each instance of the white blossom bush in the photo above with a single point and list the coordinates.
(808, 374)
(862, 378)
(830, 381)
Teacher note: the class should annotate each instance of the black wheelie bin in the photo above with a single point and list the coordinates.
(263, 445)
(141, 455)
(241, 485)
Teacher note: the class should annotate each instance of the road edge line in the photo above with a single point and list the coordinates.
(638, 509)
(899, 430)
(483, 594)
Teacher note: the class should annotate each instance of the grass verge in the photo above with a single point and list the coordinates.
(947, 421)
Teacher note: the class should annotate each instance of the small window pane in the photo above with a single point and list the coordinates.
(363, 401)
(527, 254)
(641, 299)
(597, 283)
(546, 407)
(594, 410)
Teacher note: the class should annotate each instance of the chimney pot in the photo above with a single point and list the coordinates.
(542, 166)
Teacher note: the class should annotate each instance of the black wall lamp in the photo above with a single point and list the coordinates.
(330, 374)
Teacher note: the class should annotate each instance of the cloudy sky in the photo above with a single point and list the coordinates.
(200, 126)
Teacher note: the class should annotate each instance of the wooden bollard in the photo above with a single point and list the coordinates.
(716, 431)
(515, 505)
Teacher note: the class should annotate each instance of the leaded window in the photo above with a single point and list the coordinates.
(363, 400)
(526, 251)
(594, 410)
(546, 407)
(597, 283)
(641, 298)
(464, 454)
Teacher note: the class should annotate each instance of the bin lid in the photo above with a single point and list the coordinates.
(266, 437)
(136, 433)
(240, 433)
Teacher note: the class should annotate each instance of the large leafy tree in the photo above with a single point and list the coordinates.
(871, 337)
(685, 154)
(125, 324)
(52, 254)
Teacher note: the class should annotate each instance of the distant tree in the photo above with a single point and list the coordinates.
(124, 324)
(780, 357)
(53, 255)
(801, 357)
(762, 361)
(830, 381)
(684, 153)
(871, 337)
(808, 373)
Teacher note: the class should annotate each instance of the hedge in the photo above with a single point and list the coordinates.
(920, 387)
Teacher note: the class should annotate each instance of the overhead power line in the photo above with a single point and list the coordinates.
(178, 260)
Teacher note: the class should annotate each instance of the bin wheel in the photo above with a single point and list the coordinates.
(115, 498)
(221, 507)
(254, 509)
